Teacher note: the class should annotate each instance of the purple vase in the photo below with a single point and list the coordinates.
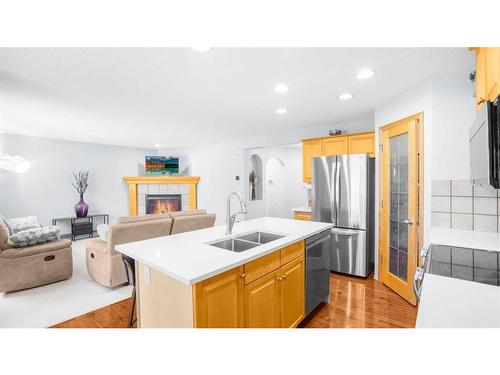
(81, 208)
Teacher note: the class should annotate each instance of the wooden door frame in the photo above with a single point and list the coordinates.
(419, 117)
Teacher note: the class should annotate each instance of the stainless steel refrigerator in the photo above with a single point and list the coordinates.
(343, 192)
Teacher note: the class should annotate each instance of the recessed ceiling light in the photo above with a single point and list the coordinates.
(281, 111)
(345, 96)
(281, 88)
(365, 73)
(157, 145)
(202, 48)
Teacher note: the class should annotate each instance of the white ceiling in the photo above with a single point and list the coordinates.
(179, 97)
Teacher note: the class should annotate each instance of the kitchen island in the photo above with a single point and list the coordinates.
(185, 281)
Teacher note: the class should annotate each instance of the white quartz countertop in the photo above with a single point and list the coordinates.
(302, 209)
(189, 259)
(455, 303)
(465, 238)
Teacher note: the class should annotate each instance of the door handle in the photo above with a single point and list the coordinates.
(408, 221)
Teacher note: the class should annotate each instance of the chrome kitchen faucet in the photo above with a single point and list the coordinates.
(230, 219)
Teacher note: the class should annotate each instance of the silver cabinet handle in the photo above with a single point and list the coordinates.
(408, 221)
(417, 279)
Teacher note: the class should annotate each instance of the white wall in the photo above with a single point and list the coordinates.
(453, 111)
(219, 164)
(287, 192)
(276, 187)
(46, 191)
(448, 109)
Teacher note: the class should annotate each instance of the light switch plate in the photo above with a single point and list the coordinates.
(147, 275)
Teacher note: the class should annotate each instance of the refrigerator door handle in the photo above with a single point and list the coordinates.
(337, 188)
(343, 232)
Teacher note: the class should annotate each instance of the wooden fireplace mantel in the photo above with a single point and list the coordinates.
(133, 181)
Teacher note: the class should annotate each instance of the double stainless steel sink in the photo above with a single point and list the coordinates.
(246, 241)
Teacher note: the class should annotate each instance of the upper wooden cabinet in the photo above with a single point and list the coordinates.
(310, 149)
(492, 73)
(487, 74)
(362, 144)
(357, 143)
(335, 146)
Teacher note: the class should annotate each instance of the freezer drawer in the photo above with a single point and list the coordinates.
(349, 252)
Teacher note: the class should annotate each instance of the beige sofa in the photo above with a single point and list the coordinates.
(31, 266)
(104, 263)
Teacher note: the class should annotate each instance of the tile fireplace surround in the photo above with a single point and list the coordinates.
(140, 187)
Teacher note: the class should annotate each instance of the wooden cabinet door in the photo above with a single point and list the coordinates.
(310, 149)
(335, 146)
(362, 144)
(219, 301)
(492, 57)
(291, 293)
(261, 302)
(480, 77)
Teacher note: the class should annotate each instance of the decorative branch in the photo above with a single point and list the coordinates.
(252, 178)
(81, 181)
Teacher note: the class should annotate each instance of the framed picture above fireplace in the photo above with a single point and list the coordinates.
(161, 165)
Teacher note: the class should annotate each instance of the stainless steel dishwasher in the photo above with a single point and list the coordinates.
(318, 249)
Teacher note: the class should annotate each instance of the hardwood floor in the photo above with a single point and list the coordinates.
(354, 303)
(361, 303)
(112, 316)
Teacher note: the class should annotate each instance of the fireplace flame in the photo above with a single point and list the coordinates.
(163, 206)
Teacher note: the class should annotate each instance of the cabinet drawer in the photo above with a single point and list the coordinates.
(306, 216)
(292, 252)
(261, 266)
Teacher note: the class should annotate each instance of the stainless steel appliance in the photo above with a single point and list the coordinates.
(343, 191)
(317, 270)
(460, 263)
(484, 144)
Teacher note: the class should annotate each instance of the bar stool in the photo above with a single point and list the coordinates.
(130, 270)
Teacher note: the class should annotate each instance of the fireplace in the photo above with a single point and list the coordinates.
(163, 203)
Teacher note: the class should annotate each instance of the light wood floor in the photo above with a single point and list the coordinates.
(354, 303)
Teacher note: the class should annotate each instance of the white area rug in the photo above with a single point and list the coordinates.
(55, 303)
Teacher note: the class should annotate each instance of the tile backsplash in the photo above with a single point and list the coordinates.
(458, 204)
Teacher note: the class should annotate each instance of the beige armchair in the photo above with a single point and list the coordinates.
(105, 265)
(32, 266)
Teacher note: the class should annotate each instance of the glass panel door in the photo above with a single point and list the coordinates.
(398, 213)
